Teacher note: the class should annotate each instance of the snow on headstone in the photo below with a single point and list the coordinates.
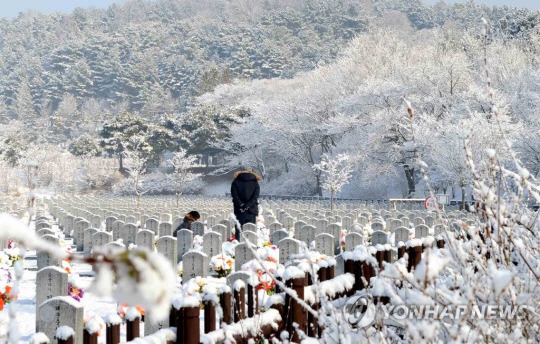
(60, 311)
(379, 238)
(421, 231)
(167, 246)
(352, 240)
(51, 281)
(324, 244)
(88, 243)
(44, 259)
(197, 228)
(165, 228)
(184, 242)
(248, 236)
(249, 227)
(100, 239)
(287, 247)
(194, 263)
(305, 234)
(128, 234)
(401, 234)
(242, 255)
(277, 236)
(145, 238)
(211, 245)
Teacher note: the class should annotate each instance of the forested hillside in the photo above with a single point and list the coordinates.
(154, 57)
(79, 82)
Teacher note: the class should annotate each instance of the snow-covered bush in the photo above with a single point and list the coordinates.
(97, 174)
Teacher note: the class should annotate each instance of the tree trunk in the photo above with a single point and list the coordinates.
(463, 196)
(177, 199)
(121, 167)
(319, 188)
(121, 162)
(332, 200)
(138, 201)
(411, 183)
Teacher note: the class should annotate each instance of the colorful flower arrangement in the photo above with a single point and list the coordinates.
(194, 286)
(6, 297)
(76, 293)
(269, 245)
(74, 289)
(266, 283)
(342, 242)
(200, 283)
(8, 257)
(268, 254)
(222, 265)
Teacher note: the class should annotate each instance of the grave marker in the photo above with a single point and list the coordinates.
(60, 311)
(194, 263)
(168, 247)
(51, 281)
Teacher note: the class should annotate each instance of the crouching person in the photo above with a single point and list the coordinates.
(190, 217)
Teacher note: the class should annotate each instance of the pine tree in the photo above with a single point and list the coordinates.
(24, 104)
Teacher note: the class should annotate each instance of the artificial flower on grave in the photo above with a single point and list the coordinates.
(6, 297)
(200, 282)
(267, 284)
(271, 259)
(5, 276)
(180, 268)
(66, 266)
(5, 261)
(197, 242)
(233, 238)
(342, 242)
(222, 264)
(65, 245)
(76, 293)
(264, 280)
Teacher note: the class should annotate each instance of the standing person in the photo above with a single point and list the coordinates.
(245, 193)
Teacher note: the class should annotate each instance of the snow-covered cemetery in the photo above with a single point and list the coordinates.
(269, 171)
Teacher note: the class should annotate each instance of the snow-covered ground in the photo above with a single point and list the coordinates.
(26, 315)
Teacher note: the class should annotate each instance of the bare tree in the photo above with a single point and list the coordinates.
(183, 165)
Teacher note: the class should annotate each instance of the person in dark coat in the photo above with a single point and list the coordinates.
(190, 217)
(245, 194)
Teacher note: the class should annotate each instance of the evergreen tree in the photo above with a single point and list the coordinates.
(24, 104)
(84, 146)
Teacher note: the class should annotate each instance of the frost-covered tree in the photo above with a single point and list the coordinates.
(85, 146)
(183, 165)
(24, 104)
(136, 163)
(116, 135)
(336, 174)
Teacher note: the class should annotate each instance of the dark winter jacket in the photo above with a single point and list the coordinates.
(245, 192)
(186, 224)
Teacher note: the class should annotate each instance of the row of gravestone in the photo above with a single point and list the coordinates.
(362, 221)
